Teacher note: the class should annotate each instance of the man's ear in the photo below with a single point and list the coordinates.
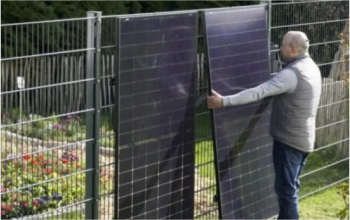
(294, 48)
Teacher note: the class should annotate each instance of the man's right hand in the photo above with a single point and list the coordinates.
(215, 100)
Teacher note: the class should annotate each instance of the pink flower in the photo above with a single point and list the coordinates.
(9, 208)
(58, 127)
(35, 202)
(3, 189)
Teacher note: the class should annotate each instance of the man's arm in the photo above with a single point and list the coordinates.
(285, 81)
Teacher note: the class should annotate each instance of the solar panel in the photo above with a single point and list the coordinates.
(237, 57)
(156, 64)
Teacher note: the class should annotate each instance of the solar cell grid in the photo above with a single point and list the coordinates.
(237, 56)
(156, 60)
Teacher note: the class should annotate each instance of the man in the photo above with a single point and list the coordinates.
(296, 92)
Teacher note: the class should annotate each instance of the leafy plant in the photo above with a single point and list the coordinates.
(67, 129)
(343, 190)
(345, 44)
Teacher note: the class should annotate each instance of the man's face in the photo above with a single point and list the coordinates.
(286, 49)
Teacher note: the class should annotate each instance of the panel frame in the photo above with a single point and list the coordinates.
(212, 118)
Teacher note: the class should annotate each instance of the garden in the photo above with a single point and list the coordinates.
(36, 179)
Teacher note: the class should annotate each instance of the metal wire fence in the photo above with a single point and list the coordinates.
(323, 22)
(51, 129)
(57, 138)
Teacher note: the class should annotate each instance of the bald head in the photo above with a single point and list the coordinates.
(294, 43)
(299, 40)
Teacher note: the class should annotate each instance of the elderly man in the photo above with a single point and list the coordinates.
(296, 90)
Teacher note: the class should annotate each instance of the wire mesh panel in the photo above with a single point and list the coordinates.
(156, 68)
(238, 59)
(43, 120)
(323, 22)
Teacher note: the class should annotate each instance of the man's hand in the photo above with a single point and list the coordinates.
(215, 100)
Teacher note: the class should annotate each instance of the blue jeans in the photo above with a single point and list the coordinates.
(288, 163)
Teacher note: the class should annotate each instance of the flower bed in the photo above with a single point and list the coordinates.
(34, 184)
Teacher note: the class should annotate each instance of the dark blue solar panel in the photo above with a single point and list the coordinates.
(156, 64)
(237, 51)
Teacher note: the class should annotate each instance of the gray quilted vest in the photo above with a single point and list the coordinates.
(293, 118)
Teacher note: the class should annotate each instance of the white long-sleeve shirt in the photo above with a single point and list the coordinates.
(286, 81)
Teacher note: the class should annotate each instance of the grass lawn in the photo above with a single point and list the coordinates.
(204, 154)
(323, 205)
(327, 203)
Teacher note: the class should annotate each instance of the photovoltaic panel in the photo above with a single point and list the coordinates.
(156, 64)
(237, 57)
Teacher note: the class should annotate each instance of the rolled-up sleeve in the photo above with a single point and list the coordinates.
(285, 81)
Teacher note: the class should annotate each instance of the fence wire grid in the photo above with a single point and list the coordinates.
(57, 138)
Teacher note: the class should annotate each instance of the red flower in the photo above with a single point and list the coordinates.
(48, 170)
(3, 189)
(64, 161)
(25, 204)
(27, 157)
(35, 202)
(34, 162)
(3, 212)
(40, 156)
